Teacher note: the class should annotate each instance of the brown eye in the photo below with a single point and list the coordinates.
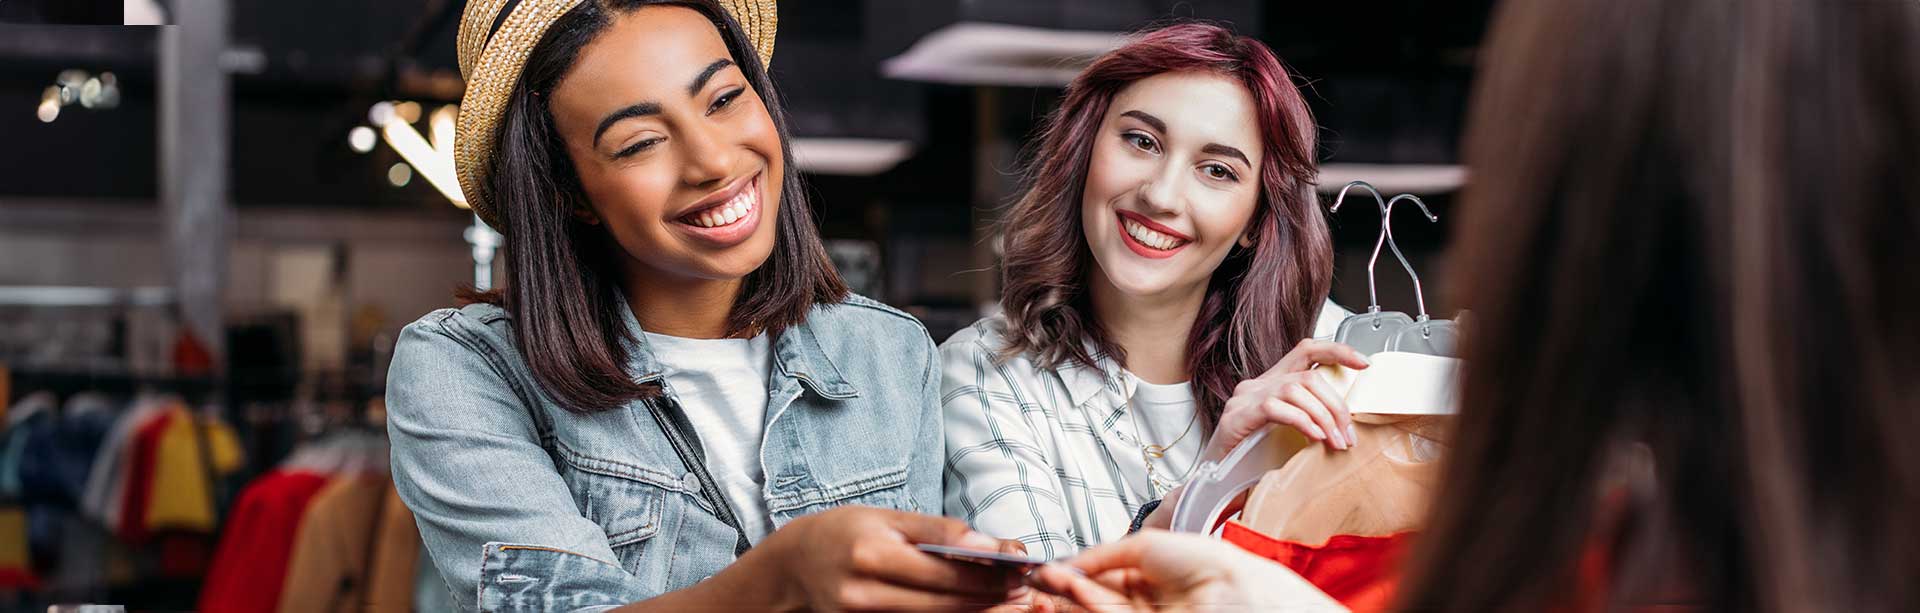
(724, 100)
(1142, 142)
(1220, 172)
(637, 147)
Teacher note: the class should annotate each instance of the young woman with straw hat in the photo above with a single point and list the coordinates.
(675, 401)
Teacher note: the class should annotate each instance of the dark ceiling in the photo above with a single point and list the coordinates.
(1388, 81)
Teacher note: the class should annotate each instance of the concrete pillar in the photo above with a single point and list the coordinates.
(194, 119)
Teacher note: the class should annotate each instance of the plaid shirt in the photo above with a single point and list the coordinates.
(1043, 455)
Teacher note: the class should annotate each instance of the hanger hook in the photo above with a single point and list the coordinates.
(1373, 294)
(1386, 228)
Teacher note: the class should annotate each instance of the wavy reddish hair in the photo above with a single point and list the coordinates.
(1261, 300)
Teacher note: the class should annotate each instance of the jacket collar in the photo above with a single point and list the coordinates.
(796, 354)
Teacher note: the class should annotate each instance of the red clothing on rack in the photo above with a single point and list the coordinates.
(190, 358)
(250, 567)
(146, 448)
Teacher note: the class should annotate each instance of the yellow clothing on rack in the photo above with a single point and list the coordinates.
(16, 568)
(327, 570)
(182, 496)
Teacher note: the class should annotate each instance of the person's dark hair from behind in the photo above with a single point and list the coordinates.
(563, 279)
(1690, 236)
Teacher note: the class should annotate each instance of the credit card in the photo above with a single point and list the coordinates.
(985, 558)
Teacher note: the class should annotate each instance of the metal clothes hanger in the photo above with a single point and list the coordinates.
(1372, 331)
(1218, 489)
(1426, 335)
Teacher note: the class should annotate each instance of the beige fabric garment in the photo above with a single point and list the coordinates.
(1381, 484)
(395, 554)
(327, 570)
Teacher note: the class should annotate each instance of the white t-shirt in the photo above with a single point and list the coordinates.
(1165, 413)
(722, 386)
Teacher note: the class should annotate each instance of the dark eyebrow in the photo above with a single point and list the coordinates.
(700, 82)
(633, 110)
(1219, 149)
(1149, 119)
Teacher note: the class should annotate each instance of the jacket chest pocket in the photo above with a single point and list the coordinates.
(629, 503)
(884, 488)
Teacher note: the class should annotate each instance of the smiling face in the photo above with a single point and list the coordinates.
(675, 151)
(1173, 181)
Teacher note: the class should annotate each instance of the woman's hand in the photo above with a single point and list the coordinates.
(1164, 571)
(1289, 393)
(864, 559)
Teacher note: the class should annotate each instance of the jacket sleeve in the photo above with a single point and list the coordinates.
(497, 520)
(1000, 479)
(926, 480)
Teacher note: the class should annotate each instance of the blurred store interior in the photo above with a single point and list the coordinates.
(245, 207)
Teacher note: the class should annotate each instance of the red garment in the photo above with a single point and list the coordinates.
(1358, 571)
(184, 555)
(250, 567)
(19, 579)
(190, 358)
(1362, 571)
(146, 446)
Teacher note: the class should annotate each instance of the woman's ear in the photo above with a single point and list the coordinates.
(584, 214)
(1246, 240)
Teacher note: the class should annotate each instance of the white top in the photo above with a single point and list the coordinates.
(722, 386)
(1049, 455)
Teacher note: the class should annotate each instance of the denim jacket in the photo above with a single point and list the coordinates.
(523, 505)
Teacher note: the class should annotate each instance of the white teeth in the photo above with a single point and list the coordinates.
(734, 210)
(1149, 237)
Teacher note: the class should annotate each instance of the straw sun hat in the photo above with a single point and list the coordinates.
(494, 48)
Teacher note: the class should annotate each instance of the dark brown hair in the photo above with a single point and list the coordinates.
(1260, 301)
(563, 280)
(1690, 230)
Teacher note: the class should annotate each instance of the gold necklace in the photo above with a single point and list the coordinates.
(1149, 453)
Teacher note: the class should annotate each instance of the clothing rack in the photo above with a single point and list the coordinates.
(65, 382)
(81, 296)
(117, 381)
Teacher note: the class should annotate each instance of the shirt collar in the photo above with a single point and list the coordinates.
(1084, 383)
(796, 352)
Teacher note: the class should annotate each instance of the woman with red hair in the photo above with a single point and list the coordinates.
(1688, 243)
(1160, 275)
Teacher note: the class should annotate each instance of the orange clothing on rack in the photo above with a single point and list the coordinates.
(182, 496)
(396, 556)
(327, 571)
